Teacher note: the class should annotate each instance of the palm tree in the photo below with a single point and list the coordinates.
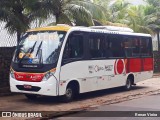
(155, 17)
(17, 14)
(115, 12)
(138, 20)
(104, 5)
(118, 11)
(80, 12)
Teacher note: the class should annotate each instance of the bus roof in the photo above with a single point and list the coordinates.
(50, 28)
(98, 29)
(113, 28)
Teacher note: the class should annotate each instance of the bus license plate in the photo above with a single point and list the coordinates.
(27, 86)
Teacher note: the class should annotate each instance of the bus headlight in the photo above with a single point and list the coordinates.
(49, 74)
(12, 73)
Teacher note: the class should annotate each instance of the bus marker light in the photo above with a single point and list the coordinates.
(12, 73)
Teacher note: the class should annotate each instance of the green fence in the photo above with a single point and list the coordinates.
(6, 54)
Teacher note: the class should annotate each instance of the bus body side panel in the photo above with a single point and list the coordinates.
(148, 64)
(141, 67)
(143, 76)
(147, 70)
(92, 75)
(134, 65)
(77, 71)
(101, 74)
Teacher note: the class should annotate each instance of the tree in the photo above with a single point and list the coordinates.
(154, 7)
(80, 12)
(115, 12)
(138, 20)
(118, 11)
(104, 5)
(17, 14)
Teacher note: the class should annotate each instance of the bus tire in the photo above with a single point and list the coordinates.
(128, 85)
(69, 94)
(31, 96)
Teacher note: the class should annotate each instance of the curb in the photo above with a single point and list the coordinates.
(53, 115)
(63, 113)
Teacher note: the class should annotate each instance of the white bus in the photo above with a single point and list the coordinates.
(65, 61)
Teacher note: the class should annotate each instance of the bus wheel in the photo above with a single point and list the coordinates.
(69, 94)
(31, 96)
(128, 85)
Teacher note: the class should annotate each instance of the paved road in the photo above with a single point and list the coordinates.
(85, 101)
(147, 103)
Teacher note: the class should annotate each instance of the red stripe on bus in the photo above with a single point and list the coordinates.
(29, 77)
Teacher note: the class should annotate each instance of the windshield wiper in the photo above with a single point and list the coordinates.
(39, 48)
(30, 50)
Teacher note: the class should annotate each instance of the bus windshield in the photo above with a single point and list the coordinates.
(40, 47)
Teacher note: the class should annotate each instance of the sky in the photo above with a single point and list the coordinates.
(136, 2)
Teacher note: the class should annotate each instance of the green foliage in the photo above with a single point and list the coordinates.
(138, 20)
(79, 12)
(141, 18)
(118, 11)
(17, 14)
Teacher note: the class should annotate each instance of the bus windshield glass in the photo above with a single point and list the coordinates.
(39, 47)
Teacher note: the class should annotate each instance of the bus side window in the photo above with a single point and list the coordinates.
(145, 46)
(128, 46)
(96, 46)
(117, 48)
(74, 47)
(136, 47)
(108, 51)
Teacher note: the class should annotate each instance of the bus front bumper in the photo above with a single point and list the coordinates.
(46, 88)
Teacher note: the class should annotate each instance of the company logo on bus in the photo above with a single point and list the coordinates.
(30, 77)
(119, 66)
